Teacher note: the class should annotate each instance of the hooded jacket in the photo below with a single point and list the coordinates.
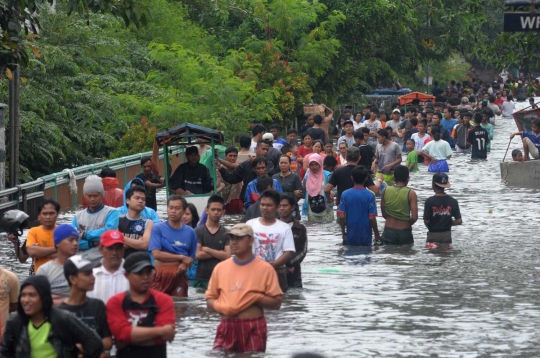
(147, 212)
(112, 196)
(66, 329)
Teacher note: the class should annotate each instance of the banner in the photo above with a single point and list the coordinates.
(524, 119)
(521, 22)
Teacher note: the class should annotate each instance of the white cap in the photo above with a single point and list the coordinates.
(268, 136)
(396, 111)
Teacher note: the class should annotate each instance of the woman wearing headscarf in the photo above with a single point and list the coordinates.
(40, 330)
(315, 201)
(318, 147)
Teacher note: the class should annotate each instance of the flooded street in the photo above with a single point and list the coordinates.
(478, 299)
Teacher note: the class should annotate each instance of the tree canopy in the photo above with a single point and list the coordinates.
(92, 85)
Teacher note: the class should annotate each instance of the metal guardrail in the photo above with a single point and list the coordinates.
(27, 196)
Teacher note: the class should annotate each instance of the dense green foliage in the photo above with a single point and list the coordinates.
(20, 19)
(89, 80)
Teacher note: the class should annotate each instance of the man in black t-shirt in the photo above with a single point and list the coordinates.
(367, 152)
(454, 101)
(212, 243)
(141, 319)
(342, 177)
(478, 138)
(307, 126)
(292, 137)
(317, 132)
(78, 272)
(191, 177)
(151, 180)
(441, 212)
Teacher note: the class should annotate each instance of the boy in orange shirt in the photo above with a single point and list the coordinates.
(240, 289)
(39, 241)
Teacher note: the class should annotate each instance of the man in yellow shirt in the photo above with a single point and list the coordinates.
(9, 295)
(40, 242)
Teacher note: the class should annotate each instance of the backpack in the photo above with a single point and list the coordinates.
(461, 136)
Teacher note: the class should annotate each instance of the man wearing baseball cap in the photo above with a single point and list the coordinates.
(441, 212)
(142, 320)
(240, 289)
(191, 177)
(66, 243)
(110, 278)
(394, 124)
(273, 154)
(78, 273)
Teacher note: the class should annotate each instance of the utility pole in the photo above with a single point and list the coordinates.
(3, 107)
(14, 128)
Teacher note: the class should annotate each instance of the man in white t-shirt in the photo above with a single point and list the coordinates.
(274, 242)
(110, 278)
(257, 132)
(508, 106)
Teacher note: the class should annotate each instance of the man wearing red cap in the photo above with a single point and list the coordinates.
(110, 279)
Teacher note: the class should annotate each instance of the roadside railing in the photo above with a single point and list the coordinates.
(28, 196)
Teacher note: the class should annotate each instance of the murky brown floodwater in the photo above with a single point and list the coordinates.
(480, 298)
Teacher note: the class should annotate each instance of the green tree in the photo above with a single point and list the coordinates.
(286, 46)
(20, 19)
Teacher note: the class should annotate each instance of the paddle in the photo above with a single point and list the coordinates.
(507, 149)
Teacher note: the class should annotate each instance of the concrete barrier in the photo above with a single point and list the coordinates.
(524, 174)
(124, 175)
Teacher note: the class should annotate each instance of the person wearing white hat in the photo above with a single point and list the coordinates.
(94, 220)
(396, 119)
(273, 153)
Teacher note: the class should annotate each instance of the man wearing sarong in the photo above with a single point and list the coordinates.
(173, 245)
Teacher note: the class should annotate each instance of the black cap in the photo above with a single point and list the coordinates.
(137, 262)
(441, 180)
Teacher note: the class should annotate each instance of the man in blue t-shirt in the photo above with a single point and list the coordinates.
(357, 211)
(449, 123)
(173, 245)
(531, 141)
